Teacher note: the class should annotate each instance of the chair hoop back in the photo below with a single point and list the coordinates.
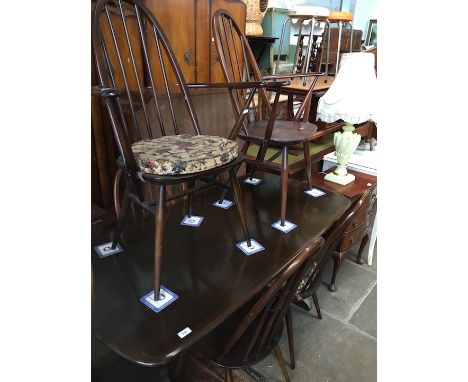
(268, 311)
(134, 61)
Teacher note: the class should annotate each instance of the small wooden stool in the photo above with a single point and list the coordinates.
(342, 19)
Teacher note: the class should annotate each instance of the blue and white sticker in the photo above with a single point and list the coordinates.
(253, 181)
(166, 297)
(314, 192)
(254, 247)
(224, 204)
(192, 221)
(287, 227)
(105, 249)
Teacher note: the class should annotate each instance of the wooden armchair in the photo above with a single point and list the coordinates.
(262, 129)
(136, 67)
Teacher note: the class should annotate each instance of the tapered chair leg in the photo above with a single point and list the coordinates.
(336, 267)
(228, 374)
(236, 190)
(122, 215)
(188, 211)
(284, 183)
(158, 237)
(317, 306)
(308, 164)
(364, 241)
(289, 329)
(280, 359)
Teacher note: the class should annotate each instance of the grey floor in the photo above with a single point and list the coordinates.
(341, 347)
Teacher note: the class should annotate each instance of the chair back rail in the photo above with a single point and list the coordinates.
(264, 318)
(134, 58)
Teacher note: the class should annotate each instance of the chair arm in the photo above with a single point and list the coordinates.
(240, 85)
(295, 75)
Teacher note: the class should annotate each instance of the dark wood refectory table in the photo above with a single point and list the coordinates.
(203, 266)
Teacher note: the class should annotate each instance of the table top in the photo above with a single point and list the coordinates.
(297, 84)
(351, 190)
(203, 266)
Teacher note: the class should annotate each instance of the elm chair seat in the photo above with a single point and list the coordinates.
(285, 132)
(183, 154)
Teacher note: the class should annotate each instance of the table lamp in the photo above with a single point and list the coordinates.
(351, 98)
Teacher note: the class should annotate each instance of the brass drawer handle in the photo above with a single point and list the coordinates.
(188, 56)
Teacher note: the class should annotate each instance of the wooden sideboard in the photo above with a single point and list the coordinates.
(187, 24)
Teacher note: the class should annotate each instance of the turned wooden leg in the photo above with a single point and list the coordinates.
(122, 216)
(188, 211)
(364, 241)
(236, 190)
(284, 184)
(308, 164)
(280, 359)
(228, 375)
(336, 267)
(158, 237)
(289, 329)
(316, 303)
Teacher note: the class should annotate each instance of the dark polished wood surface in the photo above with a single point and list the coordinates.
(202, 266)
(352, 190)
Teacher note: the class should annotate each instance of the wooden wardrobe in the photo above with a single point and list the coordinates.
(187, 24)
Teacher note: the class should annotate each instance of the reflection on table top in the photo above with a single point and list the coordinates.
(201, 265)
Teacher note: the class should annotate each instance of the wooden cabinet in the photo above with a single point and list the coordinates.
(187, 25)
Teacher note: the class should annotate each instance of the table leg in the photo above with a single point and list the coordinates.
(372, 241)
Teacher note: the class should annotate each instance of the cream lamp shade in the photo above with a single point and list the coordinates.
(352, 97)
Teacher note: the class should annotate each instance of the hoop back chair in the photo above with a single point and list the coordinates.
(313, 276)
(137, 69)
(255, 329)
(239, 65)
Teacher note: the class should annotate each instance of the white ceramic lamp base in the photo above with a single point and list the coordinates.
(340, 179)
(346, 143)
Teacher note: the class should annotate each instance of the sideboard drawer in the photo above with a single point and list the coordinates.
(353, 237)
(359, 219)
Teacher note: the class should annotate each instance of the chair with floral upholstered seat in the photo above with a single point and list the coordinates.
(137, 69)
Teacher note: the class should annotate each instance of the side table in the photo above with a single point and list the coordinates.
(358, 231)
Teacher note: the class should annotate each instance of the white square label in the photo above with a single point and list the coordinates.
(287, 227)
(192, 221)
(105, 250)
(314, 192)
(184, 332)
(254, 247)
(253, 181)
(224, 204)
(166, 297)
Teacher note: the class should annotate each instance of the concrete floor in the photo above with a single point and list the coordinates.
(341, 347)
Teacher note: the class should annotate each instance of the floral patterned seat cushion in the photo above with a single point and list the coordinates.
(183, 154)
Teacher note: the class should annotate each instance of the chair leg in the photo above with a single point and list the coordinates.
(316, 303)
(284, 183)
(188, 211)
(336, 267)
(308, 164)
(159, 235)
(228, 374)
(236, 190)
(290, 332)
(122, 215)
(280, 359)
(364, 241)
